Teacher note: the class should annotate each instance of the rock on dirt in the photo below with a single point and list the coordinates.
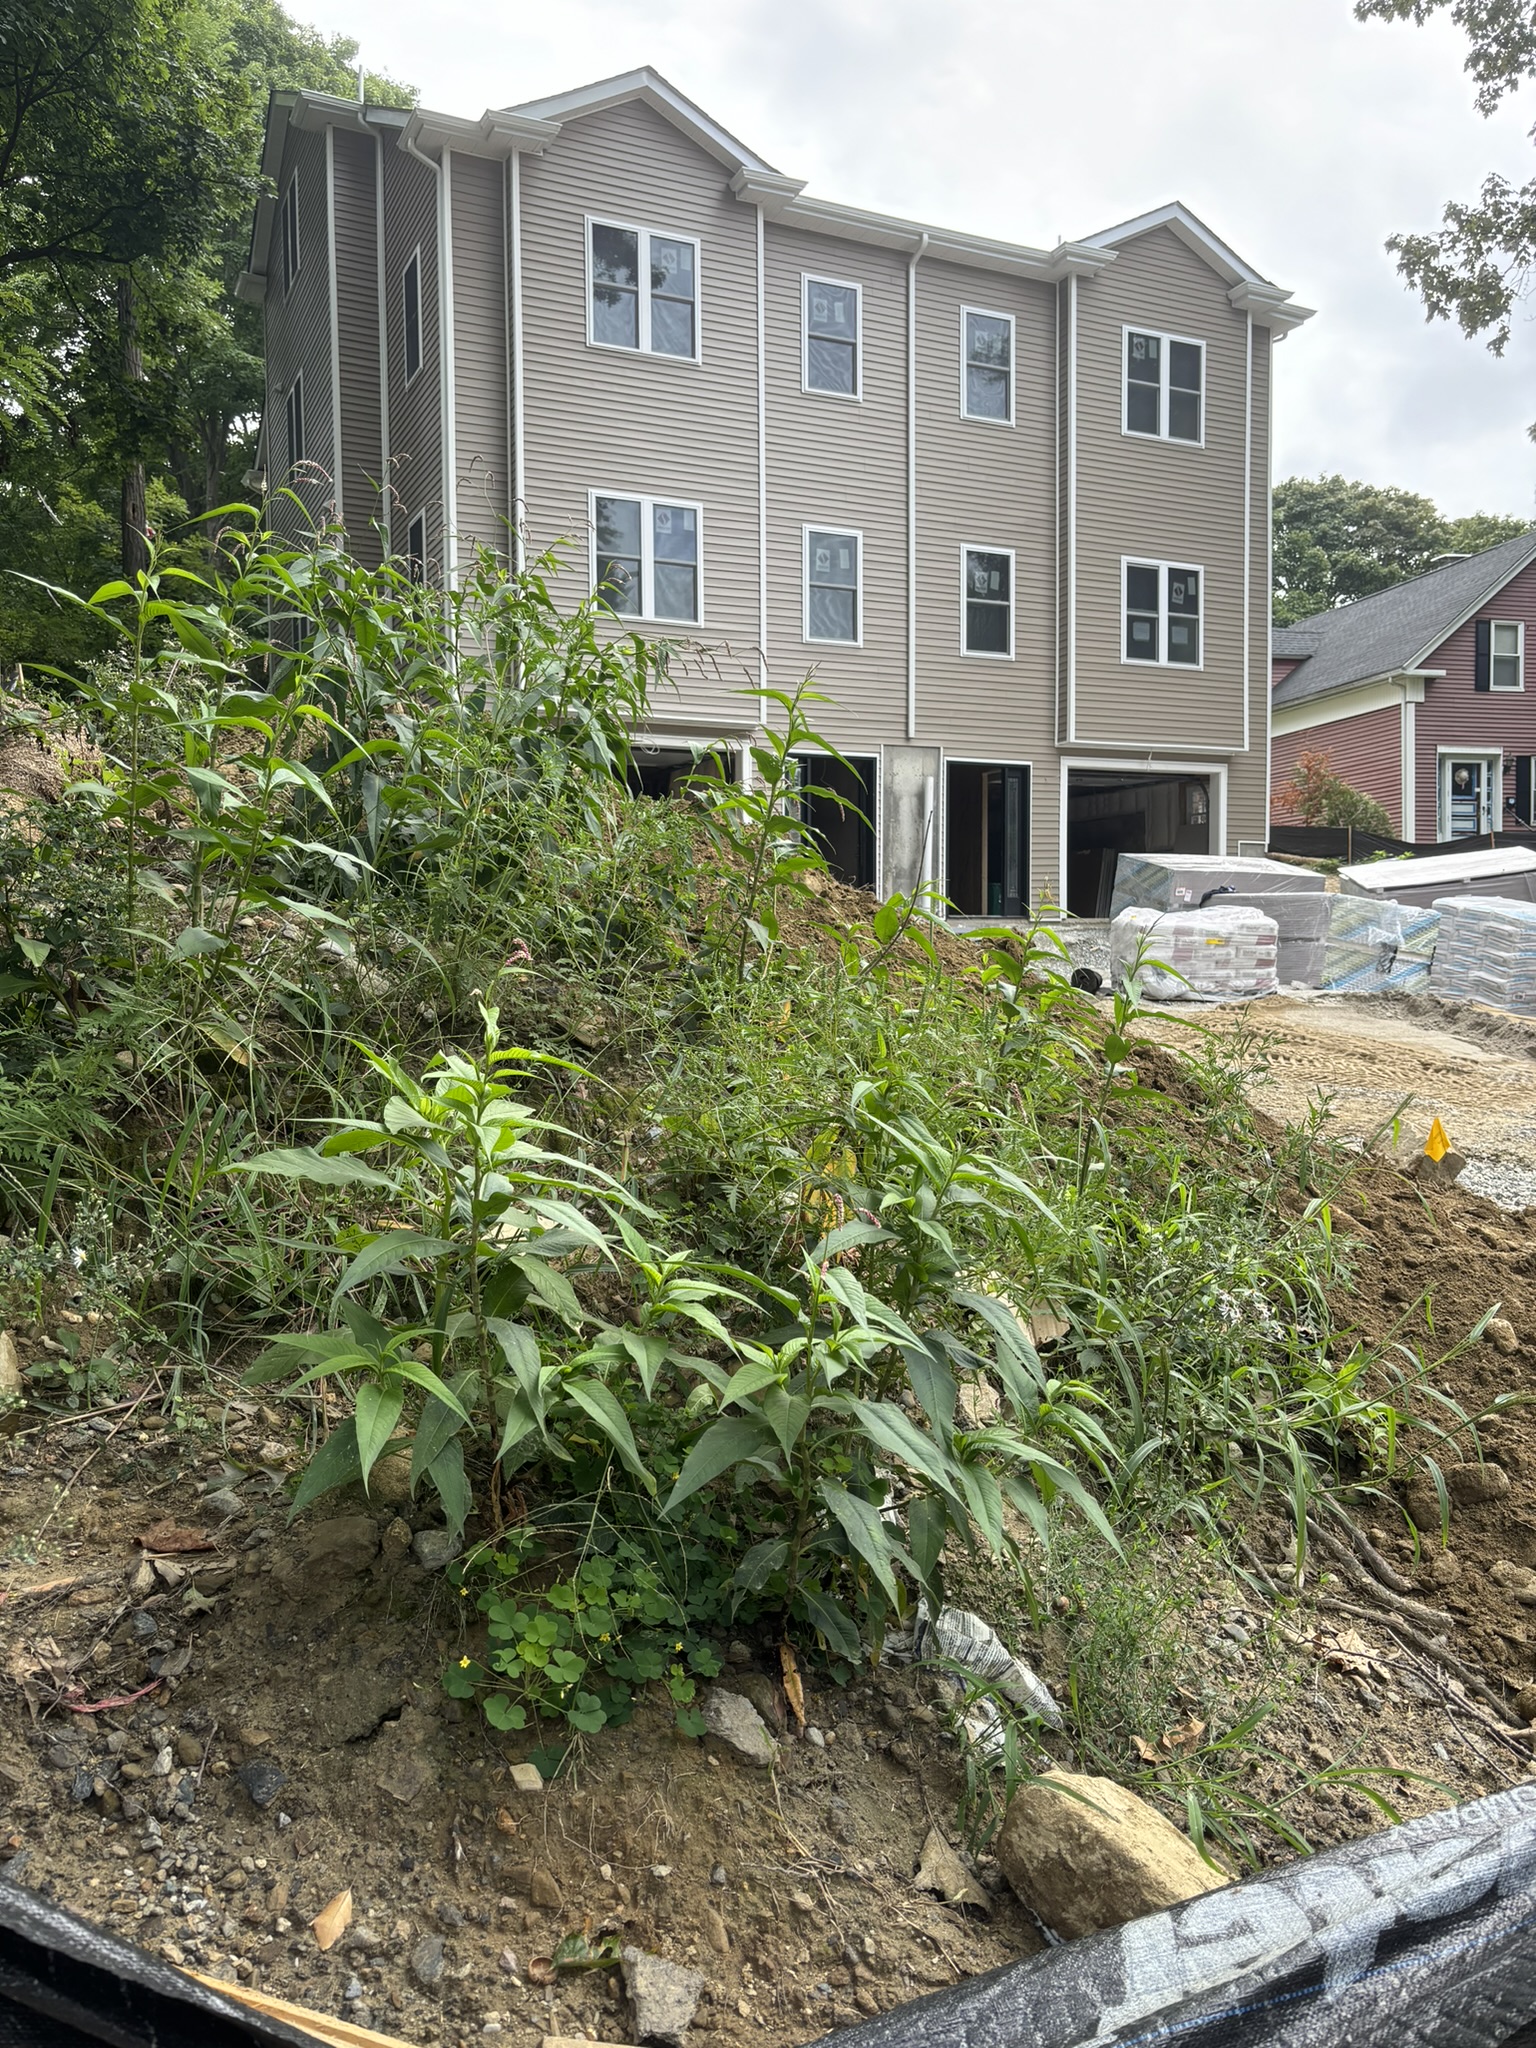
(527, 1779)
(427, 1962)
(664, 1997)
(1517, 1580)
(940, 1871)
(1085, 1854)
(262, 1779)
(339, 1549)
(1502, 1334)
(434, 1548)
(733, 1724)
(1470, 1485)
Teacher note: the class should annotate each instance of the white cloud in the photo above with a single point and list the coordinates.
(1303, 137)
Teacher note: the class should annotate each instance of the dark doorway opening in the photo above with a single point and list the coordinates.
(839, 806)
(1110, 812)
(986, 838)
(664, 771)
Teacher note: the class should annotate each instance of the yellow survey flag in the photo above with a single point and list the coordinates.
(1437, 1144)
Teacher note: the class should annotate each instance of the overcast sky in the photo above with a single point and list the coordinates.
(1302, 137)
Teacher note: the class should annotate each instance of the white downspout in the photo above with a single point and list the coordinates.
(1248, 554)
(333, 316)
(386, 482)
(762, 480)
(1071, 512)
(445, 355)
(912, 262)
(519, 457)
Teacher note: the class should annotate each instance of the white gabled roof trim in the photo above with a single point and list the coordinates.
(649, 86)
(1250, 293)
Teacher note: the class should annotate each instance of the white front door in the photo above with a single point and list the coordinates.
(1468, 785)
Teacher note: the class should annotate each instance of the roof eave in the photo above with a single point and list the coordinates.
(656, 92)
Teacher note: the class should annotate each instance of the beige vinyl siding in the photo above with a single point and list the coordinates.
(985, 484)
(837, 464)
(298, 327)
(415, 411)
(481, 433)
(354, 174)
(1159, 500)
(602, 419)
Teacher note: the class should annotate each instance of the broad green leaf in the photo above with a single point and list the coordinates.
(845, 1237)
(865, 1531)
(552, 1288)
(927, 1527)
(423, 1376)
(886, 922)
(305, 1163)
(285, 1355)
(829, 1620)
(335, 1464)
(750, 1379)
(602, 1405)
(896, 1434)
(437, 1425)
(760, 1564)
(724, 1444)
(447, 1475)
(786, 1415)
(378, 1410)
(35, 951)
(521, 1423)
(934, 1385)
(192, 941)
(390, 1252)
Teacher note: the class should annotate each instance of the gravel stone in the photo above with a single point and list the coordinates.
(262, 1779)
(427, 1959)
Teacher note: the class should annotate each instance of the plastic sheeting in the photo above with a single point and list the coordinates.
(1374, 945)
(1178, 881)
(1209, 956)
(1423, 1936)
(64, 1983)
(1487, 953)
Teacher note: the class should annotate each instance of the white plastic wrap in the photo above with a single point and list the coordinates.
(1213, 955)
(1487, 953)
(1374, 945)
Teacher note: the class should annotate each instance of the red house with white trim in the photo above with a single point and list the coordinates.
(1419, 696)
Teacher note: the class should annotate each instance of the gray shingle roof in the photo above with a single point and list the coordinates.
(1397, 628)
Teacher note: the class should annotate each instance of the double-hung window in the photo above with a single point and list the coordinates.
(1505, 654)
(1163, 613)
(294, 420)
(291, 231)
(645, 557)
(1164, 386)
(834, 570)
(833, 343)
(643, 290)
(410, 309)
(987, 601)
(986, 370)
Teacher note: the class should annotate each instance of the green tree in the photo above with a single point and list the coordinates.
(1480, 263)
(130, 375)
(1319, 795)
(1336, 540)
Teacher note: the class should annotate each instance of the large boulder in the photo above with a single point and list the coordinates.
(1085, 1854)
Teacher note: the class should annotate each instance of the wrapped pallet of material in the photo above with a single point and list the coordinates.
(1302, 922)
(1486, 953)
(1202, 956)
(1374, 946)
(1179, 881)
(1504, 872)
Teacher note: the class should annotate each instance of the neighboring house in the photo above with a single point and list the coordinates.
(1419, 696)
(1011, 505)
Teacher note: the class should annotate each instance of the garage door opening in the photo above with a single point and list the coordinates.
(838, 803)
(664, 771)
(986, 838)
(1110, 813)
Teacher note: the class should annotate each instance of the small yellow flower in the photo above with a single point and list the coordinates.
(463, 1663)
(463, 1592)
(605, 1639)
(677, 1646)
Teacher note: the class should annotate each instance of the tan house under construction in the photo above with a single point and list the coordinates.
(1010, 505)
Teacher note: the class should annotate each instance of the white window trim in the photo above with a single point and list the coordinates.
(1135, 433)
(981, 547)
(1506, 689)
(1493, 786)
(983, 419)
(843, 533)
(292, 461)
(618, 348)
(421, 327)
(856, 395)
(290, 203)
(647, 500)
(1162, 567)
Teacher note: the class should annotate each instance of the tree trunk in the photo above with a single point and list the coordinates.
(135, 509)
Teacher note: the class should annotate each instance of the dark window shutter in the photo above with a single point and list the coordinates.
(1482, 665)
(1523, 789)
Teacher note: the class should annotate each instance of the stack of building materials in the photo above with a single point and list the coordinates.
(1486, 952)
(1507, 872)
(1181, 881)
(1211, 955)
(1374, 945)
(1302, 922)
